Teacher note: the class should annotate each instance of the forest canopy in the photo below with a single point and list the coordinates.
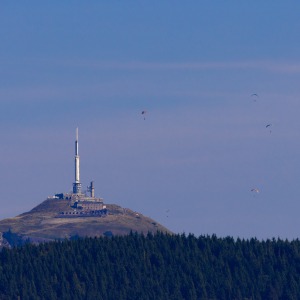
(159, 266)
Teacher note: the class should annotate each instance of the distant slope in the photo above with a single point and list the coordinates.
(43, 223)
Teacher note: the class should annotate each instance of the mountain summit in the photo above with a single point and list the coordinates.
(56, 219)
(74, 214)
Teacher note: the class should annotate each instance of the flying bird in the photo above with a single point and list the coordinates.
(255, 190)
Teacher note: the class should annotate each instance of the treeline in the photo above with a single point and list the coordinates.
(150, 267)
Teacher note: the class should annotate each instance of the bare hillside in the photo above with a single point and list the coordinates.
(44, 222)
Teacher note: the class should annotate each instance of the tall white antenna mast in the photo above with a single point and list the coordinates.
(77, 184)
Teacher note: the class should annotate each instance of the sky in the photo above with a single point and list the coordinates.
(194, 67)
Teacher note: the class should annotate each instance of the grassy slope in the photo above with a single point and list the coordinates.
(42, 222)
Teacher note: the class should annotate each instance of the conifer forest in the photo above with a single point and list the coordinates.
(159, 266)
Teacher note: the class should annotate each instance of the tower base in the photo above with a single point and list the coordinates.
(76, 188)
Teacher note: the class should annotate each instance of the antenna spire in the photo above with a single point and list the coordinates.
(77, 184)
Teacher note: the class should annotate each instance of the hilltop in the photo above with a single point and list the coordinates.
(45, 222)
(72, 215)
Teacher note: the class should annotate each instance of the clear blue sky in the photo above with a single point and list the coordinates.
(193, 66)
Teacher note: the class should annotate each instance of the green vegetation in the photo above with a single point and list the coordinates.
(159, 266)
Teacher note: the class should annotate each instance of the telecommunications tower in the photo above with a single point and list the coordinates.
(76, 184)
